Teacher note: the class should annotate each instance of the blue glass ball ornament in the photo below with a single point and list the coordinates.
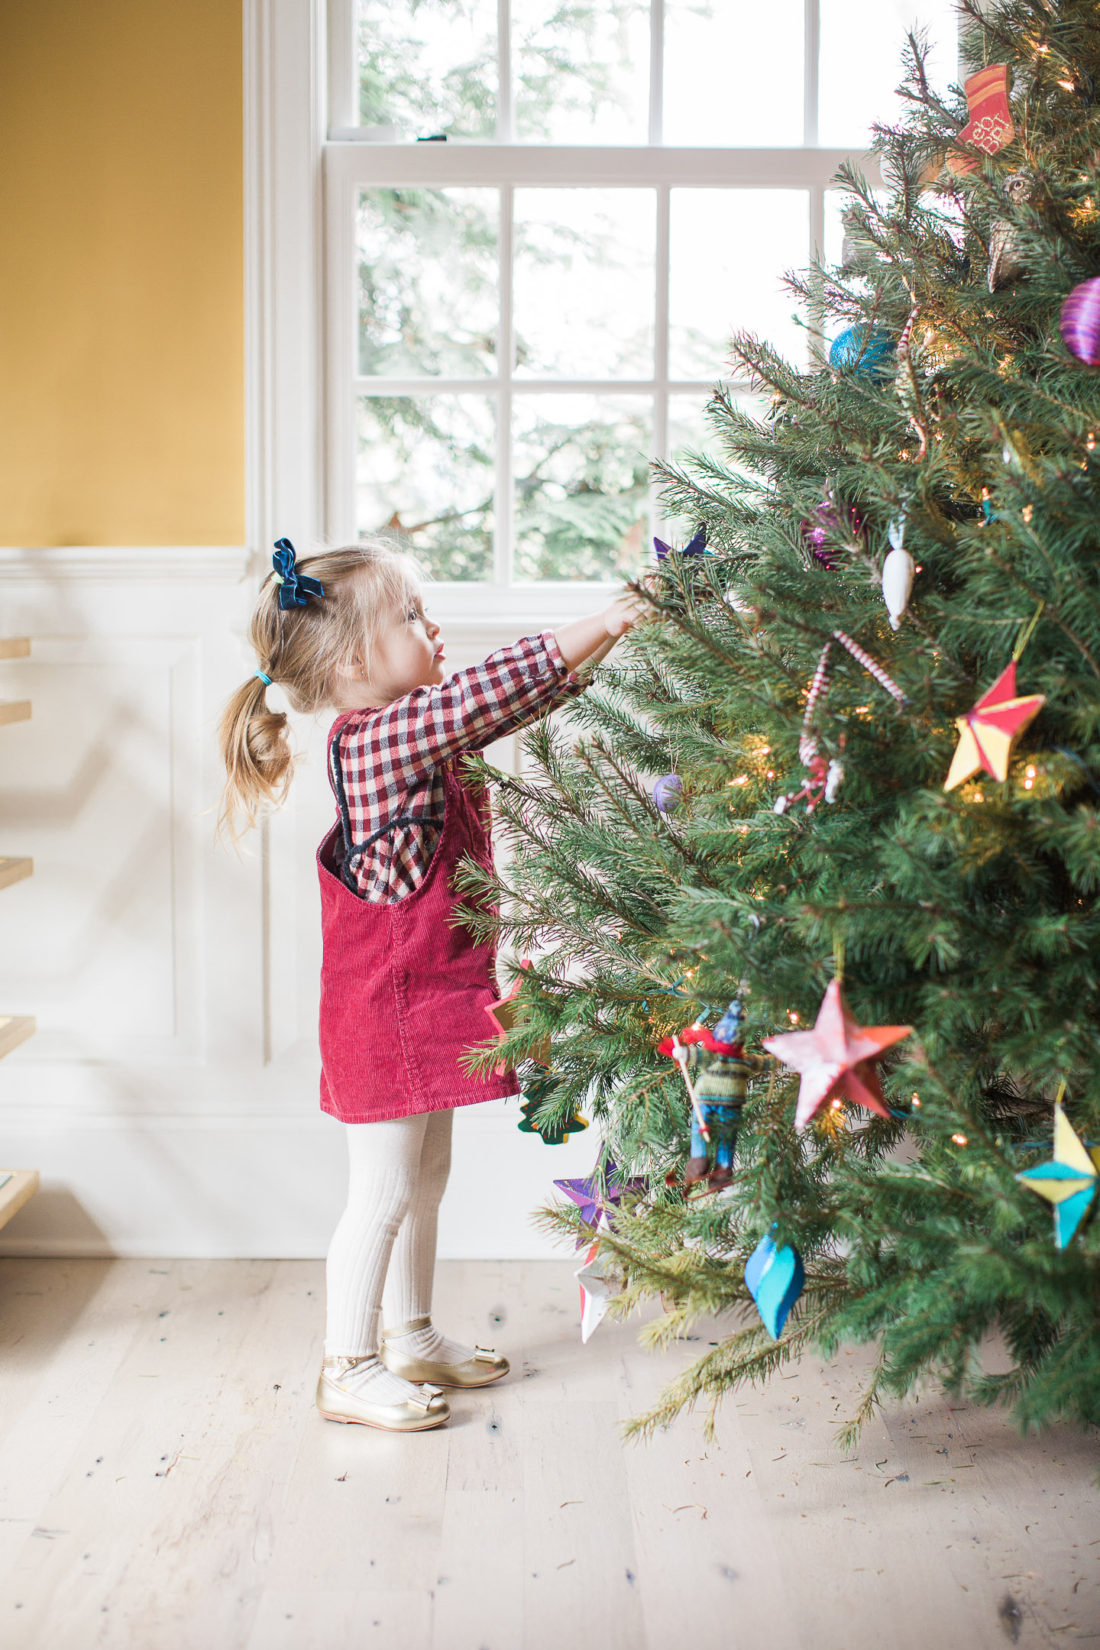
(873, 354)
(668, 793)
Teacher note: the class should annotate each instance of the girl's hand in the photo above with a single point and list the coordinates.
(596, 634)
(626, 611)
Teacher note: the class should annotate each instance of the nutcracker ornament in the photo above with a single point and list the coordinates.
(717, 1083)
(1005, 247)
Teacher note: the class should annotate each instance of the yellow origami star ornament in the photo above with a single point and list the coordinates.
(1069, 1180)
(988, 733)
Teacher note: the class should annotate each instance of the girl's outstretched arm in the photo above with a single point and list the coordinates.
(595, 635)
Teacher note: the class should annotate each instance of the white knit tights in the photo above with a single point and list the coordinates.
(382, 1255)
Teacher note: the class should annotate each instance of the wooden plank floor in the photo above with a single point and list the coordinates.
(166, 1484)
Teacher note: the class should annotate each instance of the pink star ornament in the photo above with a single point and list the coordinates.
(988, 733)
(837, 1058)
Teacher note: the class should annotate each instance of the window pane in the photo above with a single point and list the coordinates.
(581, 70)
(428, 66)
(428, 281)
(836, 203)
(691, 430)
(425, 471)
(729, 248)
(733, 73)
(861, 46)
(584, 272)
(582, 475)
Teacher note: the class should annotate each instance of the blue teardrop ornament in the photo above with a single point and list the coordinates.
(774, 1278)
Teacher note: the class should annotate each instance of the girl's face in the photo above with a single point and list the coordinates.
(408, 654)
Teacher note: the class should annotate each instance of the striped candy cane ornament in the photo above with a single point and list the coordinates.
(823, 779)
(871, 666)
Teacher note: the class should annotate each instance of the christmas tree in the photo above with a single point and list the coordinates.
(869, 693)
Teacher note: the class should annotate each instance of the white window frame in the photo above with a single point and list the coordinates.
(305, 161)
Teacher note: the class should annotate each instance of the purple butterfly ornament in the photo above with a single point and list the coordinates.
(695, 547)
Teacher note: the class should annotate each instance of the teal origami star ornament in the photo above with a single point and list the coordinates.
(1069, 1180)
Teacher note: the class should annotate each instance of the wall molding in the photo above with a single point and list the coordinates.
(152, 563)
(283, 131)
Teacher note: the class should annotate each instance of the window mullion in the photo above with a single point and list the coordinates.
(339, 375)
(504, 506)
(817, 251)
(660, 341)
(810, 133)
(342, 112)
(811, 49)
(656, 71)
(505, 119)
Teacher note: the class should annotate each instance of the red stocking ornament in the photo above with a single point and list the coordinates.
(990, 125)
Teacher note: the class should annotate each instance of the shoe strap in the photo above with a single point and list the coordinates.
(341, 1362)
(408, 1328)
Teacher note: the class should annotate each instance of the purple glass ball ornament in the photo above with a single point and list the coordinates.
(1079, 322)
(668, 793)
(826, 521)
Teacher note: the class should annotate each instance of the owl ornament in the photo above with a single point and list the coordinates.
(1005, 261)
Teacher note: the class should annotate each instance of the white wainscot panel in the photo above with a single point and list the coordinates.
(226, 1186)
(102, 940)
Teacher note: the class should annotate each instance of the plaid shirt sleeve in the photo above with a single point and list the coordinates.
(384, 753)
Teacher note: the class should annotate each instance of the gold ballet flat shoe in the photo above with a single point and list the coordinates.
(483, 1367)
(427, 1409)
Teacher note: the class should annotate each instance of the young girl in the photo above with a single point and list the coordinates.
(403, 985)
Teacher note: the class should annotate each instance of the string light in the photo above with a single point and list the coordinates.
(959, 1139)
(916, 1100)
(792, 1016)
(1027, 512)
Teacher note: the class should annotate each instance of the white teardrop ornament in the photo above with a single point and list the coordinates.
(897, 582)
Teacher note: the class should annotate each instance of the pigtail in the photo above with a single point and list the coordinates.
(259, 764)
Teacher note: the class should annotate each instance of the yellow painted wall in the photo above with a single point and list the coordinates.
(121, 272)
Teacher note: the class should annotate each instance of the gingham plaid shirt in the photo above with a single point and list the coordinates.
(386, 761)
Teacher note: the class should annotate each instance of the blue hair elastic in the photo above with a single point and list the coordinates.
(263, 678)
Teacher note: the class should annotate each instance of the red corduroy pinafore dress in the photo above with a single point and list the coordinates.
(403, 992)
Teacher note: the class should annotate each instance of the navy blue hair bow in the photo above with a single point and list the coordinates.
(697, 546)
(294, 588)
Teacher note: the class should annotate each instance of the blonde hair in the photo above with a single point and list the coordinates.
(302, 649)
